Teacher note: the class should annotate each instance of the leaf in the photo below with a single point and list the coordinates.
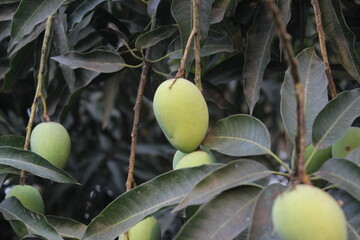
(314, 81)
(82, 10)
(28, 15)
(131, 207)
(336, 118)
(233, 174)
(7, 169)
(2, 178)
(152, 7)
(4, 30)
(33, 163)
(12, 141)
(35, 223)
(74, 33)
(343, 173)
(341, 37)
(239, 135)
(261, 226)
(216, 42)
(7, 13)
(224, 217)
(257, 53)
(96, 60)
(354, 156)
(67, 227)
(218, 10)
(151, 38)
(111, 89)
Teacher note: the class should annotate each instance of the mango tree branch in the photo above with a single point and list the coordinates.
(38, 93)
(197, 38)
(322, 38)
(300, 172)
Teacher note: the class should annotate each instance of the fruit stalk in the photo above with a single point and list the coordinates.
(38, 93)
(197, 38)
(300, 172)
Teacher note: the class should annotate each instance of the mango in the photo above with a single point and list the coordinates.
(195, 159)
(147, 229)
(182, 113)
(348, 142)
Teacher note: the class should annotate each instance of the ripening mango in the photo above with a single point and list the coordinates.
(182, 113)
(305, 212)
(343, 146)
(319, 158)
(195, 159)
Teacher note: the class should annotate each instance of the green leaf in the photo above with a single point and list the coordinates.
(224, 217)
(151, 38)
(7, 169)
(261, 224)
(7, 12)
(336, 118)
(239, 135)
(354, 156)
(314, 81)
(218, 10)
(341, 37)
(131, 207)
(35, 223)
(257, 53)
(33, 163)
(28, 15)
(2, 178)
(233, 174)
(12, 141)
(152, 7)
(216, 42)
(96, 60)
(343, 173)
(82, 10)
(66, 227)
(4, 30)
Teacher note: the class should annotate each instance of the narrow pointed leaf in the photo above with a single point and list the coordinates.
(82, 10)
(96, 60)
(257, 53)
(335, 118)
(7, 169)
(261, 224)
(151, 38)
(152, 7)
(131, 207)
(314, 81)
(12, 141)
(34, 164)
(341, 37)
(28, 15)
(354, 156)
(35, 223)
(218, 10)
(2, 178)
(343, 173)
(224, 217)
(236, 173)
(67, 227)
(239, 135)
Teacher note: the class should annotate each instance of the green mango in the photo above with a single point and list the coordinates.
(348, 142)
(195, 159)
(147, 229)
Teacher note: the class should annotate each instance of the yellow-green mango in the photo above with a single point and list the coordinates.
(318, 159)
(182, 113)
(343, 146)
(177, 157)
(147, 229)
(51, 141)
(305, 212)
(195, 159)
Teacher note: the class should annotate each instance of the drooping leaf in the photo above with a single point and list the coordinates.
(35, 223)
(131, 207)
(28, 15)
(67, 227)
(33, 163)
(233, 174)
(239, 135)
(151, 38)
(343, 173)
(354, 156)
(341, 37)
(2, 178)
(74, 34)
(335, 118)
(7, 13)
(12, 141)
(7, 169)
(111, 89)
(261, 224)
(152, 7)
(224, 217)
(314, 81)
(79, 13)
(257, 53)
(216, 42)
(218, 10)
(4, 30)
(96, 60)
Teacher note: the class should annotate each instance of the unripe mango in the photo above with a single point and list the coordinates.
(195, 159)
(177, 157)
(181, 111)
(51, 141)
(305, 212)
(147, 229)
(343, 146)
(318, 159)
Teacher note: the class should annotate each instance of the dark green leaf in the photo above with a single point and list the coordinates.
(8, 1)
(67, 227)
(131, 207)
(152, 7)
(336, 118)
(233, 174)
(74, 35)
(354, 156)
(28, 15)
(7, 12)
(33, 163)
(239, 135)
(343, 173)
(7, 169)
(224, 217)
(261, 224)
(340, 35)
(12, 141)
(2, 178)
(35, 223)
(96, 60)
(314, 81)
(257, 53)
(151, 38)
(216, 42)
(82, 10)
(4, 30)
(111, 89)
(218, 10)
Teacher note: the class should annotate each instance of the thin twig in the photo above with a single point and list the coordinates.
(197, 38)
(38, 94)
(181, 71)
(300, 172)
(322, 39)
